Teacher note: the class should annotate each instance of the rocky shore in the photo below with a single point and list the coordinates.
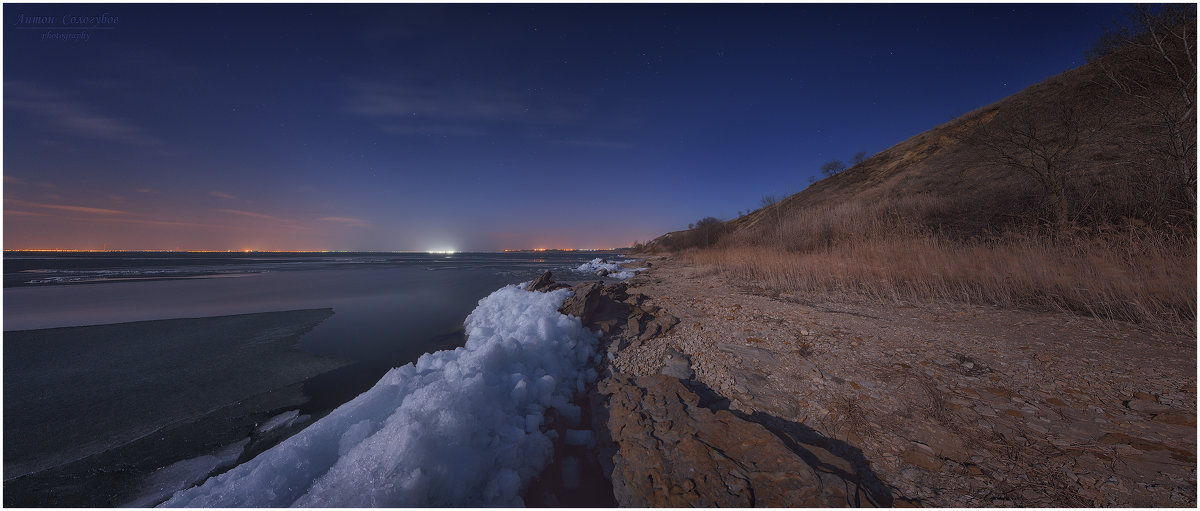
(715, 393)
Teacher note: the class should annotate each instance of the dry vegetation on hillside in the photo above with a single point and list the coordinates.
(1123, 272)
(1077, 194)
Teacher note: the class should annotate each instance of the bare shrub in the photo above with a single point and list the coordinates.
(703, 234)
(1150, 62)
(832, 168)
(1044, 146)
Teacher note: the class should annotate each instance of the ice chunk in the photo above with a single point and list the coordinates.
(279, 421)
(570, 413)
(533, 422)
(450, 430)
(161, 483)
(582, 437)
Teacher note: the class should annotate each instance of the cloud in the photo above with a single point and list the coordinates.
(280, 223)
(388, 100)
(222, 195)
(152, 222)
(419, 129)
(67, 207)
(438, 110)
(69, 115)
(594, 143)
(348, 221)
(250, 214)
(14, 212)
(14, 180)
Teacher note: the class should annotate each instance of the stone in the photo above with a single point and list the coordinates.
(611, 309)
(1146, 406)
(595, 307)
(671, 452)
(1176, 418)
(544, 283)
(939, 441)
(677, 365)
(919, 458)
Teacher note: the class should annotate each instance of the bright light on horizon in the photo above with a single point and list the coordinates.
(442, 251)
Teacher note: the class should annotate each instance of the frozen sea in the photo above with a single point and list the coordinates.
(325, 328)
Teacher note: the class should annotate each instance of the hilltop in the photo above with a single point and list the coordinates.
(1075, 194)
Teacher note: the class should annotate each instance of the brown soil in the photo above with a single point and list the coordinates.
(950, 405)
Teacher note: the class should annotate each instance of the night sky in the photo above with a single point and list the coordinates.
(474, 127)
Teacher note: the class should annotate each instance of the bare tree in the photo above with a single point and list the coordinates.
(1042, 145)
(709, 230)
(833, 168)
(769, 200)
(1151, 61)
(859, 157)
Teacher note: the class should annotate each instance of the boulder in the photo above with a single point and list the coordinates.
(599, 307)
(666, 450)
(611, 309)
(544, 283)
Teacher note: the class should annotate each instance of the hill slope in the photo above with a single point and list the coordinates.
(1069, 195)
(948, 162)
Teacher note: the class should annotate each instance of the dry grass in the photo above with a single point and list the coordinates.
(890, 251)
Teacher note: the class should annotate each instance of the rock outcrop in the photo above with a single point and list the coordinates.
(666, 440)
(669, 450)
(544, 283)
(618, 315)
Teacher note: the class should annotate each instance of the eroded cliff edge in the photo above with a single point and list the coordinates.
(667, 440)
(714, 393)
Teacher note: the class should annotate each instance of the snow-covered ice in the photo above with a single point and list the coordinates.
(598, 264)
(613, 267)
(457, 428)
(624, 274)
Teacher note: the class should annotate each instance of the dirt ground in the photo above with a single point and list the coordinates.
(950, 405)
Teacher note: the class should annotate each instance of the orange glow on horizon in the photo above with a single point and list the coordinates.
(248, 251)
(231, 251)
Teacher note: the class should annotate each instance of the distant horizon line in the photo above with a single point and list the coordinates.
(248, 251)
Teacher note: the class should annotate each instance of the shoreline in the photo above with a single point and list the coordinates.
(161, 453)
(717, 393)
(931, 405)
